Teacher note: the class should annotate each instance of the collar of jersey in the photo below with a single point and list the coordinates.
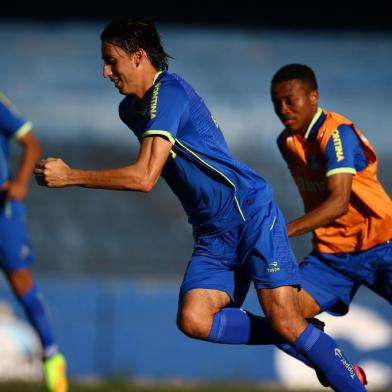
(143, 111)
(157, 75)
(314, 126)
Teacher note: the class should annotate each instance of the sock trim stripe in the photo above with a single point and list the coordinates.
(222, 325)
(312, 339)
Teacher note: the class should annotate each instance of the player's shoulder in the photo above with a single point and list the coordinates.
(171, 83)
(4, 99)
(342, 128)
(338, 121)
(10, 115)
(348, 135)
(169, 79)
(6, 103)
(168, 90)
(346, 129)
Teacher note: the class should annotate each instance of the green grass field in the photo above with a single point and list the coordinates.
(124, 387)
(128, 387)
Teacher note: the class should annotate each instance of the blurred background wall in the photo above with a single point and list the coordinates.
(110, 263)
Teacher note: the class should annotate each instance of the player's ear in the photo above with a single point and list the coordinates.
(314, 95)
(139, 56)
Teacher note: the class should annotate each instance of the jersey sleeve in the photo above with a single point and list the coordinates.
(341, 151)
(11, 123)
(169, 109)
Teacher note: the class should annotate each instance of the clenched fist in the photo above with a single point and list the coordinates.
(52, 172)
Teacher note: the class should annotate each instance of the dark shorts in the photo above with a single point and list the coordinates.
(333, 279)
(15, 248)
(257, 250)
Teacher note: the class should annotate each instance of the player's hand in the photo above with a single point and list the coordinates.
(16, 190)
(52, 172)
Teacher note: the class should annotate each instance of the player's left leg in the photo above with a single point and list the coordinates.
(22, 284)
(209, 306)
(207, 314)
(16, 258)
(197, 309)
(217, 266)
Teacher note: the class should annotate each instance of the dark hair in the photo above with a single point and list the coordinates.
(133, 33)
(296, 71)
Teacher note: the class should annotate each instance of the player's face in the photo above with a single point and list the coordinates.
(121, 68)
(295, 104)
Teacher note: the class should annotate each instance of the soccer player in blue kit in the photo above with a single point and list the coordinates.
(15, 251)
(238, 229)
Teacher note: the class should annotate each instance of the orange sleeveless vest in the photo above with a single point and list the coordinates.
(368, 221)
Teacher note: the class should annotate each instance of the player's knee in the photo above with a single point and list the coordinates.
(193, 324)
(281, 326)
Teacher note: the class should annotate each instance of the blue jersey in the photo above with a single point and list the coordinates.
(201, 171)
(12, 125)
(15, 249)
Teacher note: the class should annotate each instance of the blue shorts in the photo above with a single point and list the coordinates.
(257, 250)
(15, 248)
(333, 279)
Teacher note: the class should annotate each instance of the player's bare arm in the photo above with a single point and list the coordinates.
(336, 205)
(140, 176)
(17, 188)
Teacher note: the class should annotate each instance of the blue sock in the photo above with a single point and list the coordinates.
(35, 312)
(237, 326)
(326, 357)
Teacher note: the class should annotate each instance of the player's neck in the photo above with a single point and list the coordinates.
(146, 84)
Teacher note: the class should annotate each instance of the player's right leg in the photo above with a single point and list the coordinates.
(333, 291)
(309, 308)
(277, 279)
(281, 307)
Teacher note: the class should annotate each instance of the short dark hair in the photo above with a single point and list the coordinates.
(296, 71)
(133, 33)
